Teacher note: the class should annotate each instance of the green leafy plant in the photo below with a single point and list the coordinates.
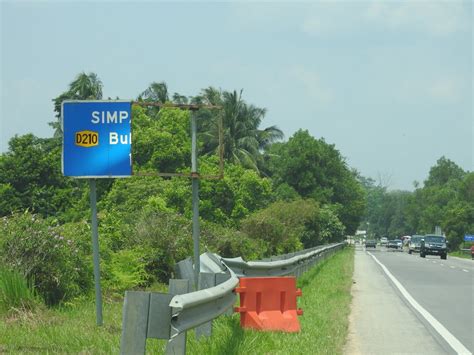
(57, 262)
(281, 225)
(126, 270)
(165, 239)
(228, 242)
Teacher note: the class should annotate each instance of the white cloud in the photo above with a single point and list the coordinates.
(312, 84)
(446, 89)
(332, 17)
(437, 18)
(441, 89)
(312, 26)
(324, 18)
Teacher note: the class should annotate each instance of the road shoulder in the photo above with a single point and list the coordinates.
(380, 322)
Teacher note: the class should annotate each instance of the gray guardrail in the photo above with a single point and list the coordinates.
(196, 308)
(292, 265)
(170, 315)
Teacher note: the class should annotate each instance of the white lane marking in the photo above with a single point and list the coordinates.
(442, 331)
(441, 264)
(434, 262)
(465, 270)
(452, 267)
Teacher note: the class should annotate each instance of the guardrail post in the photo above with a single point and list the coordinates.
(206, 280)
(177, 344)
(135, 322)
(185, 270)
(159, 316)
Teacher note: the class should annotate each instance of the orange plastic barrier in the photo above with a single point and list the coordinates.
(269, 303)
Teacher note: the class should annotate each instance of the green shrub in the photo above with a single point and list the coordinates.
(286, 193)
(281, 225)
(234, 197)
(16, 291)
(228, 242)
(165, 238)
(326, 228)
(58, 263)
(126, 270)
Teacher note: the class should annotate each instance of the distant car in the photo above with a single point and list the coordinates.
(371, 243)
(394, 244)
(383, 241)
(433, 244)
(414, 244)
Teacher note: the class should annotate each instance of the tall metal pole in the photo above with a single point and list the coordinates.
(195, 186)
(95, 251)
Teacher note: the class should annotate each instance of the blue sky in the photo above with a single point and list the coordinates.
(389, 83)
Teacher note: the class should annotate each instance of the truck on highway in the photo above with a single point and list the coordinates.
(433, 244)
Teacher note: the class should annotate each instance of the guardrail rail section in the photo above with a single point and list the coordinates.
(170, 315)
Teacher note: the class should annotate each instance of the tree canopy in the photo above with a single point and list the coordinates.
(317, 170)
(446, 200)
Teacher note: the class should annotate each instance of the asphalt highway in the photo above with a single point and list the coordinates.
(445, 288)
(428, 303)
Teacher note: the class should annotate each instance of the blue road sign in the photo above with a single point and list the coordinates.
(97, 139)
(469, 238)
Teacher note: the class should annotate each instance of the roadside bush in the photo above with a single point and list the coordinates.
(165, 238)
(326, 228)
(55, 263)
(125, 270)
(129, 195)
(229, 243)
(282, 225)
(224, 201)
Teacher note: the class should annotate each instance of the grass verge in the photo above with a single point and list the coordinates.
(326, 304)
(69, 329)
(461, 254)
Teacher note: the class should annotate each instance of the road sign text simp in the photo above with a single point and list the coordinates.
(106, 117)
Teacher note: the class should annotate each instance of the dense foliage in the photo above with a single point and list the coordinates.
(54, 259)
(273, 198)
(316, 170)
(446, 199)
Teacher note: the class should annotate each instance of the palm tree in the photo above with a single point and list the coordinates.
(83, 87)
(156, 92)
(243, 140)
(180, 99)
(86, 87)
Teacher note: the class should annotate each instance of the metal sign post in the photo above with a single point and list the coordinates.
(95, 252)
(195, 187)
